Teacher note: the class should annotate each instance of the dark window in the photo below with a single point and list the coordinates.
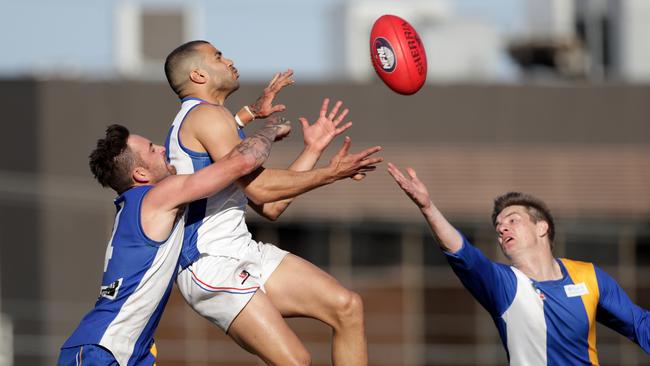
(598, 246)
(310, 242)
(376, 244)
(643, 249)
(449, 315)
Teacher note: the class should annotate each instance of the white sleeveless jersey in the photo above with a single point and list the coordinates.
(214, 225)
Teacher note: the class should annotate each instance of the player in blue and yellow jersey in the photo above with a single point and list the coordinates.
(545, 308)
(142, 254)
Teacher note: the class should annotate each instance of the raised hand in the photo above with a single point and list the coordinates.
(317, 136)
(281, 125)
(344, 165)
(263, 106)
(413, 187)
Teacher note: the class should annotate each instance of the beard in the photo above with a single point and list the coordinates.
(165, 171)
(226, 82)
(171, 169)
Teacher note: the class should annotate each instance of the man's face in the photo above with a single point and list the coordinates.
(222, 72)
(516, 231)
(152, 156)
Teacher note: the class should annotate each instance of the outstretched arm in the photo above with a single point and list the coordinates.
(269, 185)
(162, 203)
(448, 237)
(211, 128)
(244, 158)
(317, 137)
(617, 311)
(493, 285)
(263, 107)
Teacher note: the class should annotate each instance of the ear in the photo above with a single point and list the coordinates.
(141, 175)
(198, 76)
(541, 228)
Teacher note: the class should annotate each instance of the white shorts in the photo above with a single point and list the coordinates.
(219, 287)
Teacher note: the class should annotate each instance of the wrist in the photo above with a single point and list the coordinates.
(327, 174)
(427, 209)
(249, 112)
(244, 116)
(311, 149)
(239, 122)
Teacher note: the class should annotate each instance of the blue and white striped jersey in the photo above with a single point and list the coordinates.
(550, 322)
(138, 277)
(215, 225)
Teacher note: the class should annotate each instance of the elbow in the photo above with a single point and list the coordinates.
(272, 216)
(256, 198)
(268, 216)
(258, 194)
(248, 164)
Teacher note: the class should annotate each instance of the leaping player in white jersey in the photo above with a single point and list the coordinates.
(142, 255)
(223, 268)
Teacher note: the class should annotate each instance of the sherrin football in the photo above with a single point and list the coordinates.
(397, 54)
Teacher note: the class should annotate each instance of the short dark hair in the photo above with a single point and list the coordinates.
(536, 208)
(112, 161)
(173, 61)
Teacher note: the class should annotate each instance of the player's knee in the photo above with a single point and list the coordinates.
(298, 357)
(349, 309)
(303, 358)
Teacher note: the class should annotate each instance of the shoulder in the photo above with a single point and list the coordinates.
(209, 113)
(162, 197)
(134, 195)
(576, 262)
(578, 268)
(207, 119)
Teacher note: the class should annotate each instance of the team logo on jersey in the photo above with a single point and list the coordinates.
(385, 54)
(110, 291)
(244, 276)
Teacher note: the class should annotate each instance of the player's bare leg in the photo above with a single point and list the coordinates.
(299, 288)
(260, 329)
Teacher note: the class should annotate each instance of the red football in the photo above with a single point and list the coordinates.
(397, 54)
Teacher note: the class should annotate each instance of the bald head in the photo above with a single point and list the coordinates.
(180, 63)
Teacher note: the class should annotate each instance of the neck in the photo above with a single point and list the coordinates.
(217, 97)
(538, 266)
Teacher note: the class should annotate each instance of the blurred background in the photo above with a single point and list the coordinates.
(549, 97)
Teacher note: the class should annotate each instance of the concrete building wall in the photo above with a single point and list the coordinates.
(586, 150)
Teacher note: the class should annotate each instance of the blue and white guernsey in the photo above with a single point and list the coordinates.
(550, 322)
(215, 225)
(138, 277)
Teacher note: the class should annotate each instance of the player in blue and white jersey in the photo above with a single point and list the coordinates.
(142, 255)
(545, 308)
(223, 267)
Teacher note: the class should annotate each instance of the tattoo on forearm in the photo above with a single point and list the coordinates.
(259, 145)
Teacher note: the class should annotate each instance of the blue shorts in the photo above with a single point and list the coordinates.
(94, 355)
(86, 355)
